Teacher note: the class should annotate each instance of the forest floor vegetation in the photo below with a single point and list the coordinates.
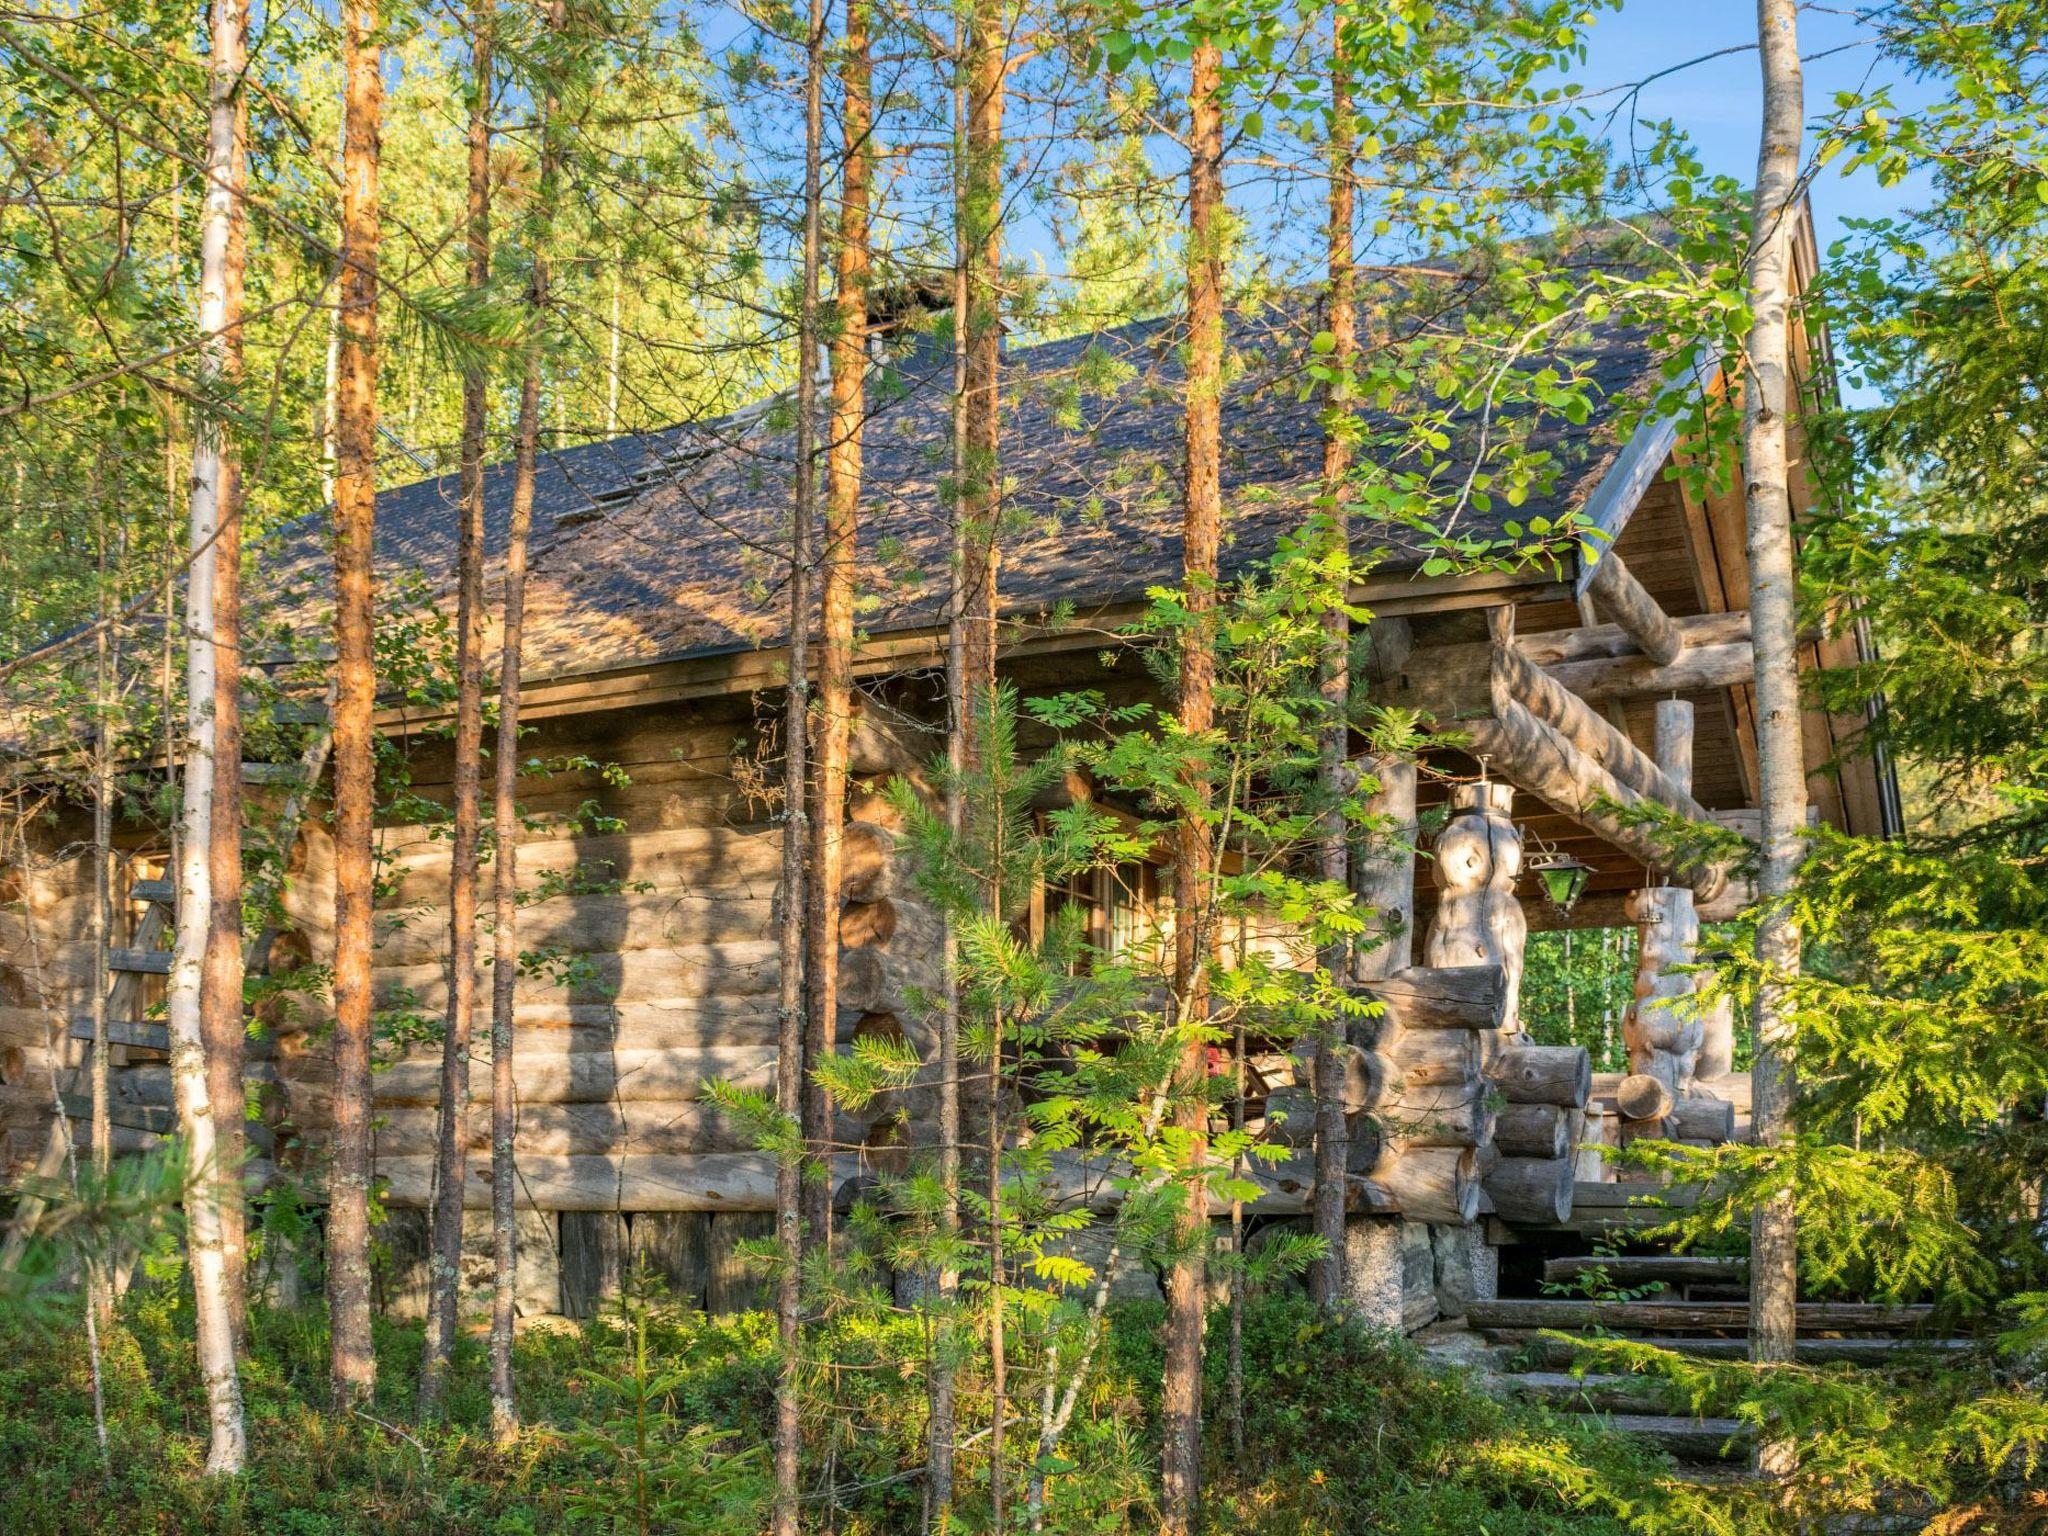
(657, 1419)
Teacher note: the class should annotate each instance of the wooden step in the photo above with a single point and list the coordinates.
(135, 1117)
(1599, 1193)
(299, 712)
(1649, 1269)
(140, 962)
(1556, 1353)
(1687, 1316)
(270, 773)
(139, 1033)
(161, 892)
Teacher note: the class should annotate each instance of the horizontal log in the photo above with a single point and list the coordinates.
(1640, 1193)
(668, 1127)
(1689, 1316)
(723, 1181)
(597, 923)
(556, 1076)
(1425, 1058)
(26, 1026)
(1534, 1190)
(151, 1083)
(1697, 1118)
(668, 859)
(1643, 1097)
(1435, 1184)
(741, 968)
(1443, 997)
(138, 1033)
(745, 1020)
(1871, 1351)
(1533, 1130)
(1596, 661)
(1426, 1117)
(1543, 1074)
(1651, 1269)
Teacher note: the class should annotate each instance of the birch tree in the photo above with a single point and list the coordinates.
(210, 500)
(1767, 471)
(221, 1022)
(452, 1131)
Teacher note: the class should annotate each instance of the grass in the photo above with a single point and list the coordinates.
(1346, 1432)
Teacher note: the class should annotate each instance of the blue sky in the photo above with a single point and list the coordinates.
(1719, 101)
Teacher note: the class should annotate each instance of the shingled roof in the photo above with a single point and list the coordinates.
(666, 545)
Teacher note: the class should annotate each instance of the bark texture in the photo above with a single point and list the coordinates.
(504, 795)
(1326, 1276)
(445, 1261)
(1201, 529)
(795, 779)
(836, 596)
(353, 1362)
(1774, 1279)
(981, 324)
(221, 1022)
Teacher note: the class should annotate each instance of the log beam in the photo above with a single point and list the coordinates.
(1515, 679)
(1541, 760)
(1600, 662)
(1616, 593)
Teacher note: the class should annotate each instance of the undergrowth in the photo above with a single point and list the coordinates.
(658, 1421)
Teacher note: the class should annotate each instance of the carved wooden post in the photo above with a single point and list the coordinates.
(1663, 1030)
(1383, 867)
(1478, 920)
(1383, 879)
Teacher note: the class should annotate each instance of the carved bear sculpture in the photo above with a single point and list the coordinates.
(1478, 920)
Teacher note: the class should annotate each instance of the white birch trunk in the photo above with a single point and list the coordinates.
(1774, 632)
(227, 1446)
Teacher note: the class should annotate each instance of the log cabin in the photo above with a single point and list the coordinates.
(654, 658)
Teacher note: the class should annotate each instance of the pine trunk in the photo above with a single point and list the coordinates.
(354, 1361)
(453, 1126)
(835, 599)
(795, 782)
(505, 790)
(1774, 1276)
(199, 1113)
(981, 220)
(1333, 1142)
(1202, 517)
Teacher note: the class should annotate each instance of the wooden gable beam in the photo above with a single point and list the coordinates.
(1617, 594)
